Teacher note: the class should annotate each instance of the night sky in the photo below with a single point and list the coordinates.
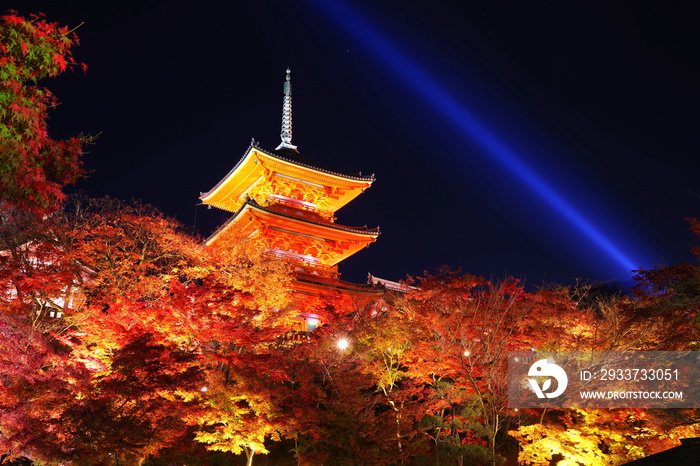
(545, 140)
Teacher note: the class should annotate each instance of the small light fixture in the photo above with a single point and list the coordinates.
(343, 344)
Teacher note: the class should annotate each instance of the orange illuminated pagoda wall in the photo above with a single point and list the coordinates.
(289, 203)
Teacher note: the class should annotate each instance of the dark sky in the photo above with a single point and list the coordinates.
(546, 140)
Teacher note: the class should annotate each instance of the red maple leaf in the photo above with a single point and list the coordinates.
(60, 61)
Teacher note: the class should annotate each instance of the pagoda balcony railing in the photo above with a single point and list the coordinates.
(296, 336)
(298, 204)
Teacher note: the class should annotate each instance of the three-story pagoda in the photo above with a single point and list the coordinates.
(285, 200)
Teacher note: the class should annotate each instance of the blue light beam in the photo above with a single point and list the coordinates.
(399, 64)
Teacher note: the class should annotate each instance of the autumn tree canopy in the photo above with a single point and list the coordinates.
(670, 296)
(33, 167)
(115, 320)
(126, 338)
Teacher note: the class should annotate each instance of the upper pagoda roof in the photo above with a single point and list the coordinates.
(228, 193)
(291, 155)
(296, 158)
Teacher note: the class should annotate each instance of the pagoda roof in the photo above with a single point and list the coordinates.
(363, 230)
(336, 284)
(289, 156)
(315, 220)
(389, 284)
(294, 156)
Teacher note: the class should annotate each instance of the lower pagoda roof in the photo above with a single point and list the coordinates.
(304, 224)
(320, 284)
(363, 230)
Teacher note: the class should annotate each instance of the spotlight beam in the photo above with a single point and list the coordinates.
(426, 86)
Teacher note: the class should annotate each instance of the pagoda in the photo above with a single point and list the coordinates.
(289, 203)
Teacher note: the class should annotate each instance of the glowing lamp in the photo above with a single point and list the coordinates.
(343, 344)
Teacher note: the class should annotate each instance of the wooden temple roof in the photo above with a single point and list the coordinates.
(275, 210)
(257, 164)
(333, 241)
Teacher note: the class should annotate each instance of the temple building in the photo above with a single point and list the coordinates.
(289, 202)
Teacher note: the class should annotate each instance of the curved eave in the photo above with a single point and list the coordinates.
(374, 232)
(370, 234)
(216, 195)
(342, 176)
(339, 285)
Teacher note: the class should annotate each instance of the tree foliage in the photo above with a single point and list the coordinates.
(162, 342)
(670, 296)
(33, 167)
(148, 316)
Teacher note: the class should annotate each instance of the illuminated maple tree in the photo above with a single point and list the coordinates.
(611, 322)
(601, 436)
(427, 367)
(466, 326)
(33, 167)
(125, 318)
(340, 413)
(670, 296)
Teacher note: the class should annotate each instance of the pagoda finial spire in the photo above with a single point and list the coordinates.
(286, 134)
